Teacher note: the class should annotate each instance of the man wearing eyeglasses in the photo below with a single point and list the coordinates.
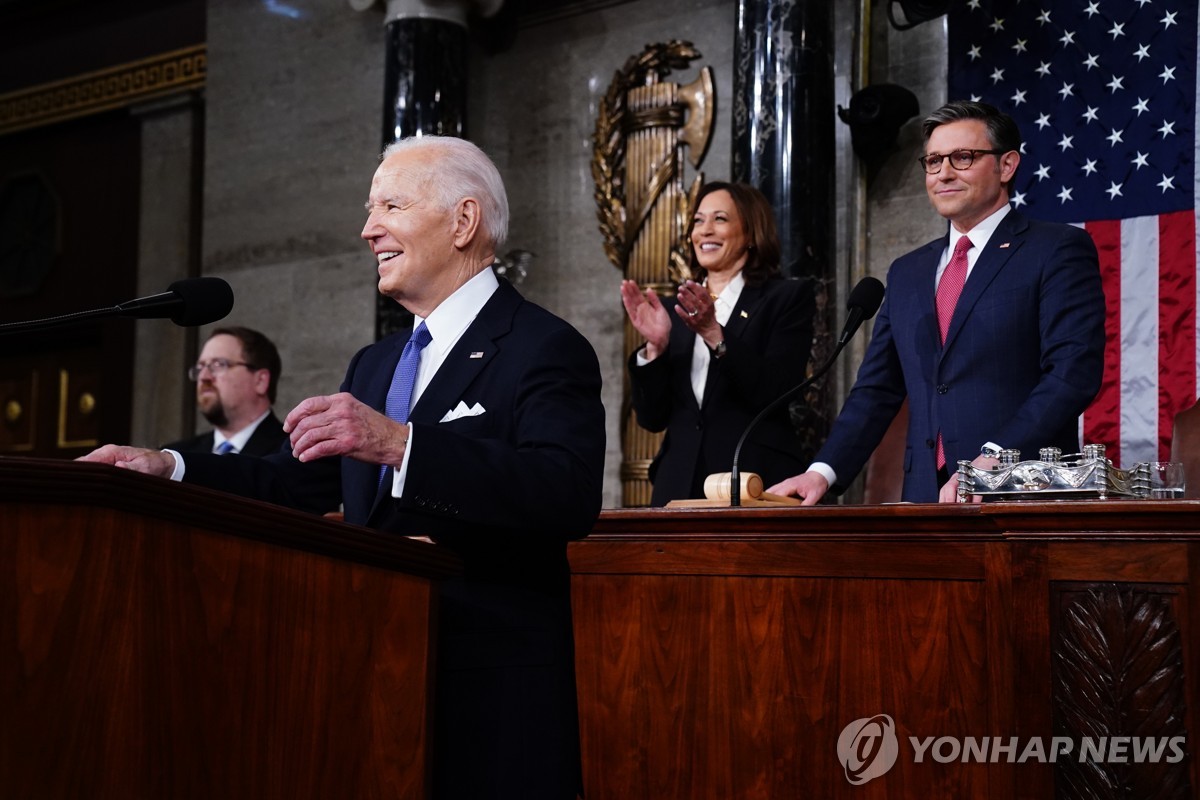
(237, 378)
(994, 333)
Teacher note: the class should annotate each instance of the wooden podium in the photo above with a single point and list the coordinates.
(721, 654)
(163, 641)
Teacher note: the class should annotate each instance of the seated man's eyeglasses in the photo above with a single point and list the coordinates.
(959, 159)
(216, 367)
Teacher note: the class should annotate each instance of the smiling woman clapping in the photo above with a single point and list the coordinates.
(738, 337)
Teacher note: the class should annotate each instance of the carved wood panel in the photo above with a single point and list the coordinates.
(1118, 671)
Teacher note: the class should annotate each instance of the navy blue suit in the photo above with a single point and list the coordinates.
(768, 336)
(1022, 360)
(505, 490)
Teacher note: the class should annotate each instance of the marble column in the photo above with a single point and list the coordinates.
(425, 85)
(783, 121)
(783, 143)
(425, 75)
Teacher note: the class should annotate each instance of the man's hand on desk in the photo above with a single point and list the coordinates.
(949, 492)
(150, 462)
(810, 487)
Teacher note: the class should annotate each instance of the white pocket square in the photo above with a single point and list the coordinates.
(461, 410)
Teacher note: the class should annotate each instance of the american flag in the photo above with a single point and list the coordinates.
(1104, 92)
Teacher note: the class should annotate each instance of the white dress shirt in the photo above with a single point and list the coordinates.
(446, 325)
(980, 235)
(701, 355)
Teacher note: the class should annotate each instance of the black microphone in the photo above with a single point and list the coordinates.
(189, 302)
(193, 301)
(865, 299)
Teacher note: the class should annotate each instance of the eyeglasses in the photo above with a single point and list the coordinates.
(959, 159)
(217, 366)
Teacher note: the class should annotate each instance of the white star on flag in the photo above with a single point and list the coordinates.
(1120, 165)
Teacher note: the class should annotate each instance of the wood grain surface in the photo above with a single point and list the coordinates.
(142, 656)
(721, 653)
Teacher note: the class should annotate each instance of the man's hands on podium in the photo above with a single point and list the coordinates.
(340, 425)
(138, 459)
(810, 487)
(949, 491)
(333, 425)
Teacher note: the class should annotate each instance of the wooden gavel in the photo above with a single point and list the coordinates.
(718, 485)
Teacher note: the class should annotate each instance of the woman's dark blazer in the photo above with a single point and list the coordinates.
(768, 336)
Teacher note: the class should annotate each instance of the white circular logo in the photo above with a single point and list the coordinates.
(868, 748)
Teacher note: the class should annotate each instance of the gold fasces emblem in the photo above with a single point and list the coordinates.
(643, 126)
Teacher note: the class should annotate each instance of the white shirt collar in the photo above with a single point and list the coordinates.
(447, 322)
(982, 232)
(239, 439)
(979, 235)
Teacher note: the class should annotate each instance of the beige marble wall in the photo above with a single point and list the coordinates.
(293, 136)
(294, 107)
(898, 213)
(162, 394)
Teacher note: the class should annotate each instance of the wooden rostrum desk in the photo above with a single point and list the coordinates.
(164, 641)
(720, 653)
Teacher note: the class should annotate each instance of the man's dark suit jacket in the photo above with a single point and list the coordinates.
(505, 490)
(768, 336)
(266, 439)
(1022, 360)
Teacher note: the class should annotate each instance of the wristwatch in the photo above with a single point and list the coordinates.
(991, 450)
(719, 350)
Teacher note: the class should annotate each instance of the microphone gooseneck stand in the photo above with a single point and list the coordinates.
(189, 302)
(863, 303)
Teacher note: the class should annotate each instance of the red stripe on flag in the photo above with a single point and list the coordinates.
(1176, 321)
(1102, 419)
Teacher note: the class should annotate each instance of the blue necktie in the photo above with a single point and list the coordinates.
(399, 396)
(224, 448)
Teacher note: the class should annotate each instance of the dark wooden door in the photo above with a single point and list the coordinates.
(69, 209)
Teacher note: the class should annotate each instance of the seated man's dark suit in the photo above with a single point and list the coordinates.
(267, 438)
(1022, 360)
(768, 336)
(505, 490)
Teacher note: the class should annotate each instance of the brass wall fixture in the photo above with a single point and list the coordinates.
(18, 391)
(642, 127)
(75, 428)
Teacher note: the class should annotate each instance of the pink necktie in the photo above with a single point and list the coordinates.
(951, 285)
(948, 290)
